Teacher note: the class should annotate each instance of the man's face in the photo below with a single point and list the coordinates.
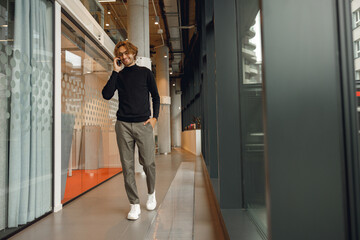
(126, 57)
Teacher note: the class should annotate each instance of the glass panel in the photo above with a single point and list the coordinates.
(355, 8)
(89, 149)
(115, 21)
(111, 16)
(356, 17)
(96, 10)
(252, 115)
(26, 112)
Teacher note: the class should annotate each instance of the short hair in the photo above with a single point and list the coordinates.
(129, 47)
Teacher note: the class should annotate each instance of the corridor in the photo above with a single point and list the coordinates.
(185, 209)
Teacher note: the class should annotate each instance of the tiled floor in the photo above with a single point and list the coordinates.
(176, 213)
(184, 208)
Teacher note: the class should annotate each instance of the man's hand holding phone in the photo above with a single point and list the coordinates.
(117, 64)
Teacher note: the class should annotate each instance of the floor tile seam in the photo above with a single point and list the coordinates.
(154, 220)
(161, 205)
(123, 232)
(164, 203)
(197, 175)
(193, 166)
(210, 219)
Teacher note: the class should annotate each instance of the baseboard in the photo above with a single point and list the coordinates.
(57, 207)
(213, 198)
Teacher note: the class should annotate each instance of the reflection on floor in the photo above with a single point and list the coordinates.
(101, 213)
(177, 209)
(259, 215)
(83, 180)
(240, 226)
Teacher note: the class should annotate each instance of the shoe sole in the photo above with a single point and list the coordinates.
(132, 219)
(151, 209)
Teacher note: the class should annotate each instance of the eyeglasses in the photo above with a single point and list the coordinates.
(121, 54)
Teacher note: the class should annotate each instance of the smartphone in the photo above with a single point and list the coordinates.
(118, 62)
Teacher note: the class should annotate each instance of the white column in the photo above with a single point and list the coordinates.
(138, 30)
(175, 113)
(138, 34)
(138, 25)
(162, 81)
(57, 111)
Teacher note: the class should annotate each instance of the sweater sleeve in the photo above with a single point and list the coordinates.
(110, 87)
(154, 94)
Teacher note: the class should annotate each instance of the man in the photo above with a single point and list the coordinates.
(134, 124)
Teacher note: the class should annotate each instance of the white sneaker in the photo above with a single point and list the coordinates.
(151, 202)
(134, 212)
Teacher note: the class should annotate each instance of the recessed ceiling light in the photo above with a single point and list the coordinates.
(109, 12)
(107, 0)
(157, 20)
(107, 24)
(165, 56)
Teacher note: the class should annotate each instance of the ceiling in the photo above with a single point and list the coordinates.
(169, 13)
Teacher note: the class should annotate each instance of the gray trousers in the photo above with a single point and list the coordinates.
(127, 135)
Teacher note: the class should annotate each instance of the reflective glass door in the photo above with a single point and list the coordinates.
(89, 149)
(251, 101)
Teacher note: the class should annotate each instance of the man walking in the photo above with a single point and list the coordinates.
(134, 125)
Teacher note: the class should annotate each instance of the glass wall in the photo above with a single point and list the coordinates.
(89, 149)
(110, 16)
(251, 100)
(95, 9)
(355, 8)
(26, 112)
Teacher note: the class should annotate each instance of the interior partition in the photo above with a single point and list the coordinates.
(89, 149)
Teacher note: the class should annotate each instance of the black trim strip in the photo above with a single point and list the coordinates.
(351, 170)
(14, 231)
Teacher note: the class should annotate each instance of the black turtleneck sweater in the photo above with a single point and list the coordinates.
(133, 84)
